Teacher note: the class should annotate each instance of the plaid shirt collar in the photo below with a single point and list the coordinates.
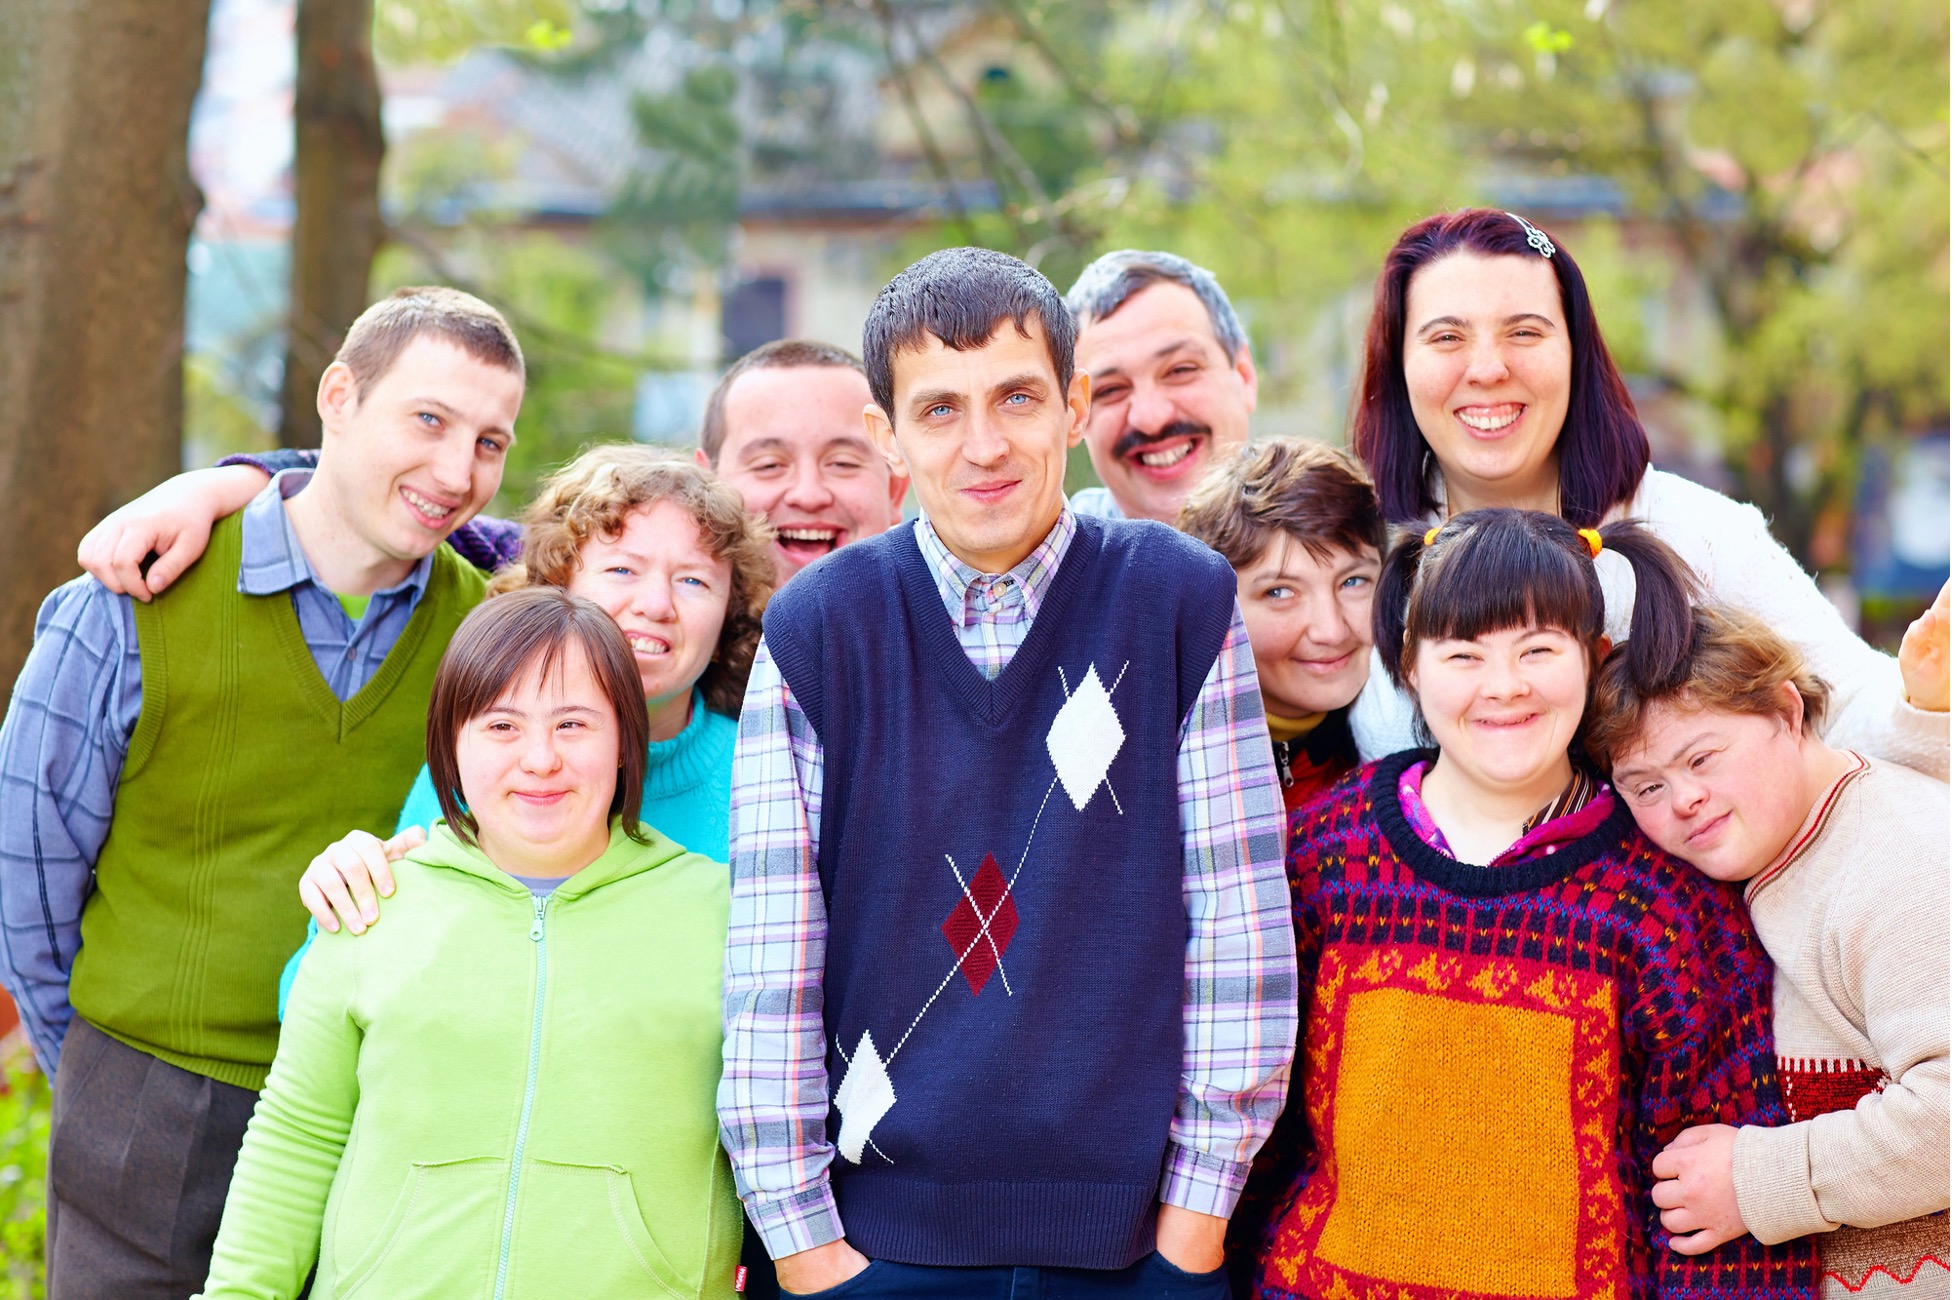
(971, 596)
(273, 560)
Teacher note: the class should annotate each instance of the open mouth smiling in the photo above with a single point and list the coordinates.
(427, 508)
(1491, 419)
(807, 541)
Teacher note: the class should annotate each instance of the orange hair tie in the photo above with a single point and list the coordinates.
(1592, 540)
(1428, 539)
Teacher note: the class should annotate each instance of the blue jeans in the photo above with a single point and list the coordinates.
(1150, 1278)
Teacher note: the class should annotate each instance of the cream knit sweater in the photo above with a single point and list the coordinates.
(1856, 915)
(1727, 543)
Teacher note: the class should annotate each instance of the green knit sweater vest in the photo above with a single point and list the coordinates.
(243, 766)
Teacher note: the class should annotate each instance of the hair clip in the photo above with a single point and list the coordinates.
(1428, 538)
(1592, 540)
(1538, 240)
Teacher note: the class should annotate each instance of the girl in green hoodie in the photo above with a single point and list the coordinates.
(509, 1091)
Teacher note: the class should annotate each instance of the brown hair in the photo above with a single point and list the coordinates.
(1316, 494)
(782, 354)
(1487, 570)
(591, 497)
(379, 335)
(1734, 663)
(502, 640)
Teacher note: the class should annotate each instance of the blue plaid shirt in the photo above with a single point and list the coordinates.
(1240, 1016)
(67, 732)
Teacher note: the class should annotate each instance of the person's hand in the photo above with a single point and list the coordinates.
(809, 1271)
(172, 519)
(1925, 656)
(1191, 1241)
(343, 879)
(1695, 1192)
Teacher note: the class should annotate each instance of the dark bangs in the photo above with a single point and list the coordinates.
(1496, 569)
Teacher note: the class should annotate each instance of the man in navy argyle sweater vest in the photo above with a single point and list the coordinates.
(1001, 864)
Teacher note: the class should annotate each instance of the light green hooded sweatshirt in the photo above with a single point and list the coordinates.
(496, 1095)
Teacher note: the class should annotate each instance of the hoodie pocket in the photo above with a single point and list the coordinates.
(579, 1230)
(443, 1225)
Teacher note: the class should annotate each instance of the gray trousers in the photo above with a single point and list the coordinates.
(139, 1160)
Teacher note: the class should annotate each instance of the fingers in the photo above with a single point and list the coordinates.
(1667, 1194)
(171, 563)
(339, 887)
(1698, 1243)
(1690, 1137)
(316, 903)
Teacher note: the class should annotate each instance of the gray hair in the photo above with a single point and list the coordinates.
(1113, 278)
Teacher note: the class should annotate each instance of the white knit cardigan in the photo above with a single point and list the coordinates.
(1727, 543)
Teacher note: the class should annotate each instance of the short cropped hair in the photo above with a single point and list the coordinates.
(528, 632)
(1602, 450)
(591, 497)
(1734, 663)
(960, 296)
(1315, 494)
(782, 354)
(379, 335)
(1113, 278)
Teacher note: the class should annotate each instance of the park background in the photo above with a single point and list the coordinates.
(197, 196)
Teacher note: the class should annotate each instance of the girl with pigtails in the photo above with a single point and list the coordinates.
(1511, 999)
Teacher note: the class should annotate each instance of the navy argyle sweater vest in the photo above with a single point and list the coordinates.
(1002, 869)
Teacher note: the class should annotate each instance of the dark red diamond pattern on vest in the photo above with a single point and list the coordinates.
(979, 938)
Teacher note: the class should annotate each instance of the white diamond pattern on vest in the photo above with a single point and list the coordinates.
(1084, 739)
(863, 1098)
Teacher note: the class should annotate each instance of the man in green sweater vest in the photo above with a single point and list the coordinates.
(170, 767)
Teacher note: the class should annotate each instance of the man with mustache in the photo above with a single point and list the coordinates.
(1172, 382)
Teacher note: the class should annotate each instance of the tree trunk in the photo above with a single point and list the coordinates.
(336, 229)
(96, 207)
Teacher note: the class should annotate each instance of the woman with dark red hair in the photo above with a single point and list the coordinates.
(1487, 383)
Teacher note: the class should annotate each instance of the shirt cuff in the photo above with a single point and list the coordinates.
(1772, 1187)
(799, 1221)
(1920, 738)
(1202, 1183)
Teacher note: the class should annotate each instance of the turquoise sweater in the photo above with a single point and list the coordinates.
(684, 798)
(499, 1095)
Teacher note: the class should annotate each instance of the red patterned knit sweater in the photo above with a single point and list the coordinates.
(1489, 1060)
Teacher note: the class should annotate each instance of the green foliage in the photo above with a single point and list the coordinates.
(24, 1109)
(436, 31)
(1770, 181)
(683, 210)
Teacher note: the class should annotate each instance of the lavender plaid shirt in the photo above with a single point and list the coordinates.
(1240, 1014)
(67, 732)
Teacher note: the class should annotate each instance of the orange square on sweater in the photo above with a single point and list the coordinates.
(1463, 1105)
(1417, 1073)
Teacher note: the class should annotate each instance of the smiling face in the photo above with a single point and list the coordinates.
(1724, 791)
(796, 451)
(538, 769)
(1168, 401)
(984, 435)
(1504, 706)
(1488, 362)
(1311, 625)
(421, 453)
(668, 594)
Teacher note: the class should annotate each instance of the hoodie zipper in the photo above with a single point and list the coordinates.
(529, 1096)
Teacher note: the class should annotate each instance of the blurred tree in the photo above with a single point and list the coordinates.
(336, 177)
(338, 151)
(96, 206)
(1775, 169)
